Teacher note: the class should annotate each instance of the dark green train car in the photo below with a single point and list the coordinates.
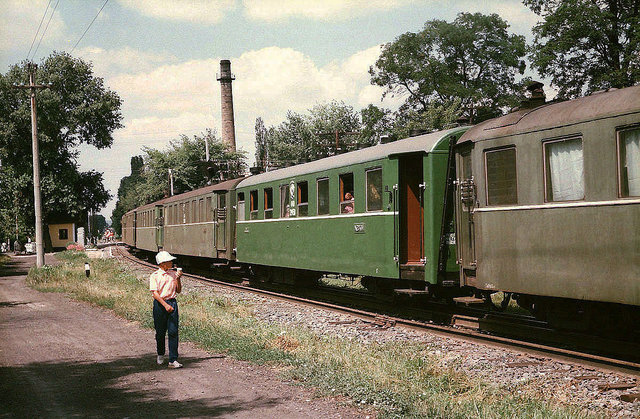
(148, 227)
(548, 206)
(375, 212)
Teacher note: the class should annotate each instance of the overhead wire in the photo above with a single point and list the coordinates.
(45, 28)
(85, 31)
(35, 36)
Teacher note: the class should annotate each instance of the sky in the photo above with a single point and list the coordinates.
(162, 56)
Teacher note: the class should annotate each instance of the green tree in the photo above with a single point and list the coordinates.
(326, 129)
(473, 59)
(77, 108)
(126, 200)
(262, 148)
(587, 45)
(186, 158)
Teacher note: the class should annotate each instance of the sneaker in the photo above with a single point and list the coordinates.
(175, 364)
(160, 359)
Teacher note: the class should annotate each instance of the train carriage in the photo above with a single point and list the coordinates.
(201, 222)
(375, 212)
(129, 228)
(148, 226)
(548, 205)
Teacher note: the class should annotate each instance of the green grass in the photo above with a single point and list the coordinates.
(399, 379)
(4, 259)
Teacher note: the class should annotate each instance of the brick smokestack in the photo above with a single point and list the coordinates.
(228, 127)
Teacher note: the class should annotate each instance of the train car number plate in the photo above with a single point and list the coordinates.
(358, 228)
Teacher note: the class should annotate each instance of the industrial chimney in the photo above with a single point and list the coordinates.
(228, 127)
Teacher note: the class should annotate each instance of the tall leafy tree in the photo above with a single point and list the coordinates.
(77, 108)
(587, 45)
(473, 59)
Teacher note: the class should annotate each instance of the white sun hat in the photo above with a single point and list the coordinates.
(164, 257)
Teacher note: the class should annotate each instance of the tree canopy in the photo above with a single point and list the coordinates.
(149, 179)
(473, 60)
(77, 108)
(326, 129)
(587, 45)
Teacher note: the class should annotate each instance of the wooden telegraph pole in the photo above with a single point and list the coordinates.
(36, 161)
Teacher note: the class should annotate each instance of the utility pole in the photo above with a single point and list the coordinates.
(36, 161)
(170, 182)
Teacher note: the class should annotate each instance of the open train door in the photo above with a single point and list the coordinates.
(411, 216)
(465, 228)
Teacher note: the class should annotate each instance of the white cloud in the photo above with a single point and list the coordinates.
(184, 98)
(19, 22)
(200, 11)
(107, 63)
(273, 10)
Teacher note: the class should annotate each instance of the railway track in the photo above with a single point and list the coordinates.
(468, 326)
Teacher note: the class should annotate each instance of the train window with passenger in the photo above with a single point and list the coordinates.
(253, 204)
(374, 189)
(240, 206)
(323, 196)
(346, 193)
(268, 203)
(564, 170)
(500, 176)
(303, 199)
(284, 199)
(629, 162)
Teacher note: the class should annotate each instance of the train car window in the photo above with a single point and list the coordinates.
(182, 214)
(175, 214)
(284, 199)
(207, 209)
(194, 211)
(268, 203)
(253, 204)
(201, 215)
(346, 193)
(303, 199)
(629, 162)
(240, 206)
(374, 189)
(187, 211)
(564, 170)
(500, 176)
(323, 196)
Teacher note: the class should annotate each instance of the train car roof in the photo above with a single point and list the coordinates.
(222, 186)
(426, 143)
(552, 115)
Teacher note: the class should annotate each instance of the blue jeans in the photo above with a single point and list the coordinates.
(165, 322)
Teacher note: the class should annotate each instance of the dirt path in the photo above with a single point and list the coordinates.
(60, 358)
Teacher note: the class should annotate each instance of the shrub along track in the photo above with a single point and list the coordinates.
(473, 326)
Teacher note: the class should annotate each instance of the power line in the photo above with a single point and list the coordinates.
(38, 31)
(85, 31)
(45, 28)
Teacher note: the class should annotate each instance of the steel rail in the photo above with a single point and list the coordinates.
(618, 365)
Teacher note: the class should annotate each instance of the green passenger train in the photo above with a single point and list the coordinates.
(375, 212)
(542, 203)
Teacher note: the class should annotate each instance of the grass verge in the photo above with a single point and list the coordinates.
(399, 380)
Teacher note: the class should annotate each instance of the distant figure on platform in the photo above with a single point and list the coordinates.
(165, 285)
(17, 247)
